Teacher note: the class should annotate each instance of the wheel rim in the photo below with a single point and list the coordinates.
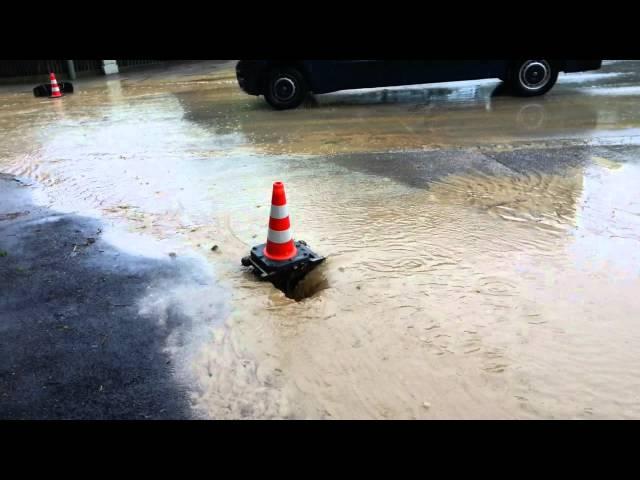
(284, 89)
(534, 74)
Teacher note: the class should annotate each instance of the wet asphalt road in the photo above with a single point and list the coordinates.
(482, 250)
(73, 343)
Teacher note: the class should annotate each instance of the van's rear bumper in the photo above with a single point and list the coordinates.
(249, 74)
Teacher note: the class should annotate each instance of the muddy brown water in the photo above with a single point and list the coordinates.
(483, 256)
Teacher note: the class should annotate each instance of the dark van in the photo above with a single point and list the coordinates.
(285, 84)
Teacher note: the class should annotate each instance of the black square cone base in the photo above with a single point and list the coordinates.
(284, 275)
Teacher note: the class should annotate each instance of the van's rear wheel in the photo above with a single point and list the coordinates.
(285, 88)
(528, 78)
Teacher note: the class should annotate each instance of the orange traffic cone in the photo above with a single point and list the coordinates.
(55, 89)
(281, 260)
(280, 245)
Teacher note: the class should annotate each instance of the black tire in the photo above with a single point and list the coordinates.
(529, 78)
(285, 88)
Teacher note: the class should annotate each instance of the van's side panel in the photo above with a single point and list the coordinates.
(581, 65)
(332, 75)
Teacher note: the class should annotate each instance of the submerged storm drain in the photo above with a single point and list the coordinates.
(281, 260)
(310, 285)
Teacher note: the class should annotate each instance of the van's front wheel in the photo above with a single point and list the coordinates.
(528, 78)
(285, 88)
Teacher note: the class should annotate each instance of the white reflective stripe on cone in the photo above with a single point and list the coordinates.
(279, 211)
(277, 236)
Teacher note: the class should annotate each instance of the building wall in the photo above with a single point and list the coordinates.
(30, 70)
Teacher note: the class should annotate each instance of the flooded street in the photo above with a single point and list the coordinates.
(483, 254)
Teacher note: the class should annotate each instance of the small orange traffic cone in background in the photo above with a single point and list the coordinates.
(55, 89)
(280, 245)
